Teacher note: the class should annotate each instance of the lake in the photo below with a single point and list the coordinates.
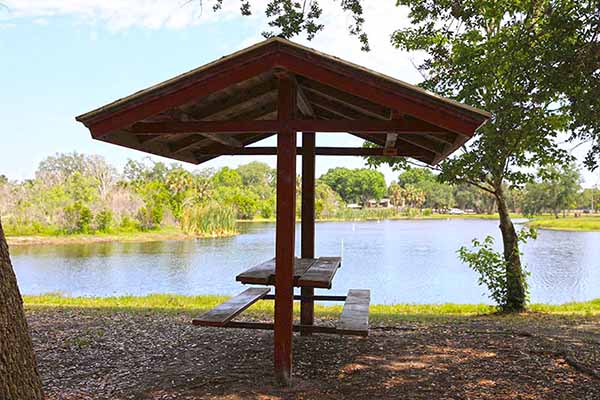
(405, 261)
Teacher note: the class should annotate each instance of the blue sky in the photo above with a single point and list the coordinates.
(60, 58)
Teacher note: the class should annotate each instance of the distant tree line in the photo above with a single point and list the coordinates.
(77, 193)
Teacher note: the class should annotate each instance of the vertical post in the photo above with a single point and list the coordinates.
(308, 222)
(285, 231)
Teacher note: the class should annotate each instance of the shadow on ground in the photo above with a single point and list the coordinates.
(87, 355)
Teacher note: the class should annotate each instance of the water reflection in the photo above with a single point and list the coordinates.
(401, 261)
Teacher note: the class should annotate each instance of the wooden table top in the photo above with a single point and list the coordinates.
(308, 272)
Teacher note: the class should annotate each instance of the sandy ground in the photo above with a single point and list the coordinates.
(86, 354)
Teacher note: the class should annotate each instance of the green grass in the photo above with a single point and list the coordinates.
(585, 223)
(166, 233)
(264, 309)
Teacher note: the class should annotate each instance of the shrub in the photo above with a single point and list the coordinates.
(78, 218)
(150, 217)
(104, 220)
(128, 224)
(492, 268)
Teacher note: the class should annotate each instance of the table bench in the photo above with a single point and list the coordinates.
(308, 272)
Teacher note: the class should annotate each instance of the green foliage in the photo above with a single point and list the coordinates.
(558, 190)
(227, 177)
(494, 271)
(103, 221)
(78, 218)
(290, 18)
(358, 185)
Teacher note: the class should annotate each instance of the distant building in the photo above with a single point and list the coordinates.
(383, 203)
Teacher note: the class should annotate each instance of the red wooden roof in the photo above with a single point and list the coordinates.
(222, 107)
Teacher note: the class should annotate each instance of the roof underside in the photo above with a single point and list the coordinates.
(243, 88)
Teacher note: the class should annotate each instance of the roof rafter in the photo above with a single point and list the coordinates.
(313, 125)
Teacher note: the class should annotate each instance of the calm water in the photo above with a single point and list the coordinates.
(400, 261)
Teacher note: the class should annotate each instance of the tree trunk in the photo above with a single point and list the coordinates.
(516, 293)
(19, 378)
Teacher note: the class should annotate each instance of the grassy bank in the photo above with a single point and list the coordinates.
(175, 233)
(585, 223)
(379, 313)
(168, 233)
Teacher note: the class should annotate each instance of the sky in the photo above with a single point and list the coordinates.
(61, 58)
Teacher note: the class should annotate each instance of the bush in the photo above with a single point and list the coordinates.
(267, 209)
(78, 218)
(427, 212)
(150, 217)
(128, 224)
(104, 220)
(492, 268)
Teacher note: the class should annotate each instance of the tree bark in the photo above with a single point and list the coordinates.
(19, 377)
(516, 296)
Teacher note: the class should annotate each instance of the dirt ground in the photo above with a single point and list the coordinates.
(86, 354)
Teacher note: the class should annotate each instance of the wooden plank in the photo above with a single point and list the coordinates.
(225, 312)
(301, 265)
(359, 104)
(355, 315)
(264, 273)
(261, 274)
(285, 229)
(321, 273)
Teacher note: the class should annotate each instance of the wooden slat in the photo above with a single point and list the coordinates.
(264, 273)
(320, 273)
(225, 312)
(260, 274)
(355, 315)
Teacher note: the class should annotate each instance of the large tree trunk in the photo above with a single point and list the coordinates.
(516, 293)
(19, 378)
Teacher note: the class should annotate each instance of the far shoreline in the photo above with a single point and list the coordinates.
(569, 224)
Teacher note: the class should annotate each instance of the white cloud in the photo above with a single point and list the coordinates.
(123, 14)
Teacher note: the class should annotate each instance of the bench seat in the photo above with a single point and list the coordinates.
(225, 312)
(355, 315)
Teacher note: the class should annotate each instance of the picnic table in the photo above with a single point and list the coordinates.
(308, 273)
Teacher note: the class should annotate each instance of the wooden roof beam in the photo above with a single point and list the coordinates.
(402, 148)
(244, 126)
(358, 104)
(262, 93)
(444, 117)
(188, 143)
(304, 104)
(320, 151)
(338, 108)
(421, 142)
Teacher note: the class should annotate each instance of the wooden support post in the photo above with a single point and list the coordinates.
(285, 232)
(307, 306)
